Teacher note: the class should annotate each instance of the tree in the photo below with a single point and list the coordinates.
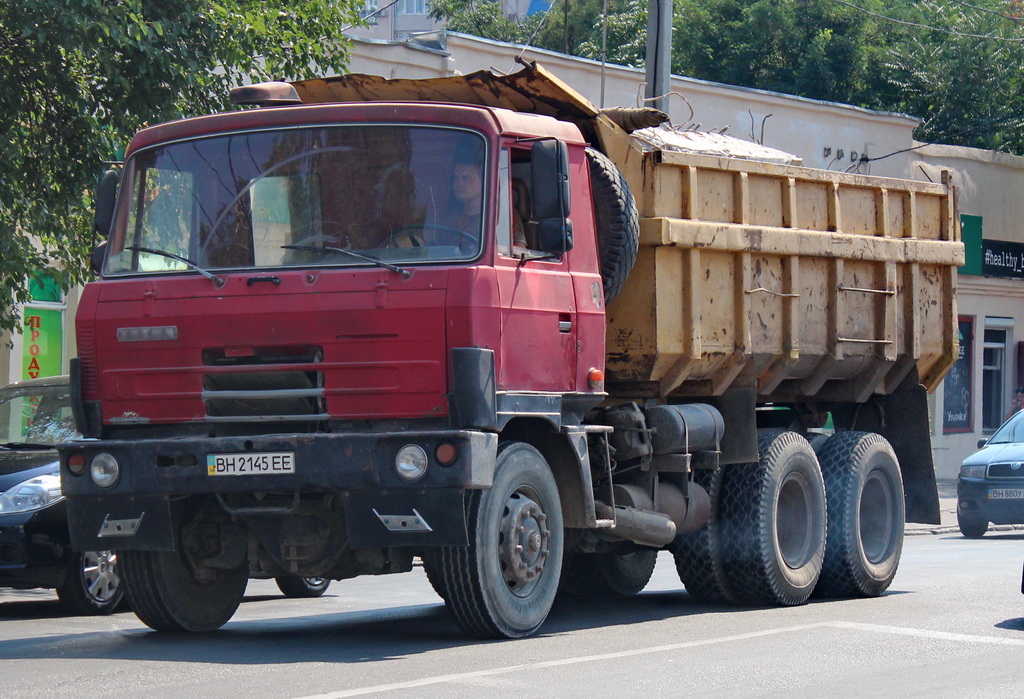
(77, 79)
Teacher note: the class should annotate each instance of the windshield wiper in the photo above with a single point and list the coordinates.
(26, 445)
(404, 273)
(219, 281)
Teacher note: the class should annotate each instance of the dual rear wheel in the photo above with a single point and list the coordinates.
(796, 523)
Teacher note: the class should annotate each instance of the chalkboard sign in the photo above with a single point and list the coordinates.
(957, 386)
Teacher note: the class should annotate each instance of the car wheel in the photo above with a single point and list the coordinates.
(93, 583)
(294, 586)
(972, 525)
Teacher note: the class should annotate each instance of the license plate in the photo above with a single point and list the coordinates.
(1006, 494)
(254, 463)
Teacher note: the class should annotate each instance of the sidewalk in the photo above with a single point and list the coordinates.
(947, 512)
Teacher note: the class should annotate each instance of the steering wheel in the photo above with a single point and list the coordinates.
(415, 234)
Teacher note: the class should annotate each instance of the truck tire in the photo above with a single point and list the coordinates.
(92, 584)
(502, 585)
(298, 587)
(616, 221)
(698, 556)
(166, 597)
(866, 512)
(608, 573)
(773, 522)
(435, 576)
(972, 526)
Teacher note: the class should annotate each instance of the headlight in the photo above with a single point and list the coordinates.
(33, 494)
(973, 470)
(411, 462)
(105, 470)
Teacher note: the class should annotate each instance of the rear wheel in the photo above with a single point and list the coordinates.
(608, 574)
(294, 586)
(698, 555)
(502, 585)
(93, 583)
(972, 525)
(773, 522)
(167, 596)
(866, 515)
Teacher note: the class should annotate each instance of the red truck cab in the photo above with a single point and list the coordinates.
(312, 324)
(293, 214)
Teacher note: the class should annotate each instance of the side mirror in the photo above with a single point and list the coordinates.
(549, 166)
(106, 195)
(96, 258)
(982, 442)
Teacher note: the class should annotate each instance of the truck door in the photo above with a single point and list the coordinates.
(538, 316)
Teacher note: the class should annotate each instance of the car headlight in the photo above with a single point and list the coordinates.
(973, 470)
(33, 494)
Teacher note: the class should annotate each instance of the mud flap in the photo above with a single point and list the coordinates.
(120, 523)
(386, 518)
(902, 418)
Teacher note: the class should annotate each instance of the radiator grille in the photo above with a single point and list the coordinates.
(264, 384)
(1006, 470)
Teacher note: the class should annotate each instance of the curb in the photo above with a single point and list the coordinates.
(956, 530)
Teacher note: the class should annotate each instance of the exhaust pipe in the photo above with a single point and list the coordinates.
(645, 528)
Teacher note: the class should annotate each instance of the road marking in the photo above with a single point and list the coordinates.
(492, 672)
(923, 633)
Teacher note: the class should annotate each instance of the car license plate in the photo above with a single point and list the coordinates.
(1006, 494)
(254, 463)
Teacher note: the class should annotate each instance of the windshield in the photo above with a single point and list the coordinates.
(302, 197)
(37, 415)
(1011, 431)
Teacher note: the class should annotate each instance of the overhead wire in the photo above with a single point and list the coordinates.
(951, 32)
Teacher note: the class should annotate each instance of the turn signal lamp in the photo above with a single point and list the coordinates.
(595, 380)
(77, 463)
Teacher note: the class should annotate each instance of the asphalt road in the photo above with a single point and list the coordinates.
(952, 624)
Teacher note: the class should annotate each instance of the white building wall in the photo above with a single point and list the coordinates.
(988, 186)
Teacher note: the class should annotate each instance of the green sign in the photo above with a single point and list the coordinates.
(44, 343)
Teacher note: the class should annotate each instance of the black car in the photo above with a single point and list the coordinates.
(990, 487)
(34, 543)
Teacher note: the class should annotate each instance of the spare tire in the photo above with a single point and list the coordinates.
(616, 221)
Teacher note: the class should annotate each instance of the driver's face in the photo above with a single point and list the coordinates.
(467, 184)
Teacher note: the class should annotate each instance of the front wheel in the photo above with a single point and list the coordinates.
(93, 583)
(167, 596)
(502, 585)
(296, 587)
(972, 526)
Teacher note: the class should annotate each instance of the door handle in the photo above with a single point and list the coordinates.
(564, 323)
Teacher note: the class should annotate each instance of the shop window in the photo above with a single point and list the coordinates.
(994, 384)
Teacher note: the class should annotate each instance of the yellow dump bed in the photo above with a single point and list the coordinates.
(803, 283)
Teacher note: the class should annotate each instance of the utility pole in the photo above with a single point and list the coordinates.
(659, 51)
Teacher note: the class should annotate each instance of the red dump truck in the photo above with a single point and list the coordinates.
(473, 321)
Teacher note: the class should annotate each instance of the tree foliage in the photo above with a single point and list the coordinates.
(78, 78)
(954, 64)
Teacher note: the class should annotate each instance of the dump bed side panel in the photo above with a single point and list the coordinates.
(804, 283)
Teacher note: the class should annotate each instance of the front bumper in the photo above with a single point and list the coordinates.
(137, 512)
(974, 497)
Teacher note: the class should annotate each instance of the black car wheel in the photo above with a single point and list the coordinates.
(294, 586)
(93, 584)
(972, 525)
